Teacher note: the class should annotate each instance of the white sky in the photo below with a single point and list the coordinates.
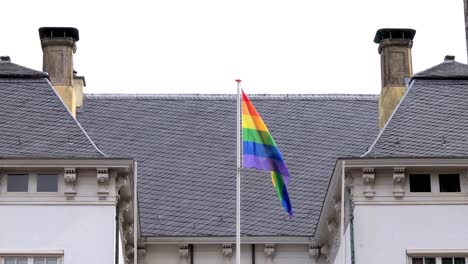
(202, 46)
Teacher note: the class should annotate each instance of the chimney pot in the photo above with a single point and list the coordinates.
(449, 58)
(5, 58)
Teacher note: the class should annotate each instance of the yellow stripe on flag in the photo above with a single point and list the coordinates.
(253, 122)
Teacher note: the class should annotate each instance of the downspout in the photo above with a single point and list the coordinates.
(190, 248)
(351, 224)
(116, 235)
(253, 253)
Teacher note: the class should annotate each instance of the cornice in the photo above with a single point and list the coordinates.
(64, 163)
(227, 240)
(406, 162)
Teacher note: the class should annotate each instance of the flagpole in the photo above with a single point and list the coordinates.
(238, 249)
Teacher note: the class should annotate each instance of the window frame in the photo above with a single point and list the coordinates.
(438, 254)
(30, 256)
(28, 185)
(435, 184)
(46, 174)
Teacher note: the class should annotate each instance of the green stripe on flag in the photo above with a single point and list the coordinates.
(261, 137)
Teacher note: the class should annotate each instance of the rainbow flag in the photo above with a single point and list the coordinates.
(261, 152)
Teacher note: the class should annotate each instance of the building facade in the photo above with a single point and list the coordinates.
(388, 171)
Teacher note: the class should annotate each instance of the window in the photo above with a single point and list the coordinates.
(438, 260)
(47, 183)
(428, 260)
(449, 183)
(17, 183)
(16, 260)
(46, 260)
(30, 260)
(420, 183)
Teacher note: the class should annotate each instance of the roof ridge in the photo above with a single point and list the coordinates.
(142, 96)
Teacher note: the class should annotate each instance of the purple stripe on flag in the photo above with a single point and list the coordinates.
(266, 164)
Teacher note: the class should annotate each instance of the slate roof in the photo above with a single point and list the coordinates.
(432, 118)
(449, 69)
(34, 122)
(11, 70)
(185, 146)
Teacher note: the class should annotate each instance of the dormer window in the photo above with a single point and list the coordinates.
(420, 183)
(449, 183)
(17, 183)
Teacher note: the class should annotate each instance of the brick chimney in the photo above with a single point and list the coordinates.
(395, 59)
(58, 46)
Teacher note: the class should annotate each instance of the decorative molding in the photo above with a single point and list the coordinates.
(127, 232)
(129, 250)
(368, 178)
(184, 253)
(324, 250)
(314, 252)
(349, 180)
(332, 226)
(398, 182)
(227, 253)
(103, 182)
(141, 249)
(124, 211)
(70, 182)
(269, 251)
(337, 207)
(121, 182)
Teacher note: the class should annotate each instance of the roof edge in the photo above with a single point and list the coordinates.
(359, 97)
(76, 121)
(367, 153)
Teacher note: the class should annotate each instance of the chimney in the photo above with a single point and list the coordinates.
(395, 59)
(58, 46)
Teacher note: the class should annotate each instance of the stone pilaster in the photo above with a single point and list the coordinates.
(227, 253)
(269, 253)
(103, 182)
(184, 254)
(314, 253)
(70, 182)
(368, 178)
(398, 182)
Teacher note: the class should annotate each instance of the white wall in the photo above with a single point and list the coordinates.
(386, 226)
(344, 249)
(385, 232)
(84, 232)
(83, 227)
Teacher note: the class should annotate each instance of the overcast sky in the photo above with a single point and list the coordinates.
(202, 46)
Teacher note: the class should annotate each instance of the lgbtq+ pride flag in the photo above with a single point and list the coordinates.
(261, 152)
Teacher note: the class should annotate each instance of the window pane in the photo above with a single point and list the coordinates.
(417, 261)
(459, 260)
(429, 261)
(47, 183)
(10, 260)
(449, 183)
(52, 260)
(21, 260)
(420, 183)
(447, 261)
(17, 183)
(39, 260)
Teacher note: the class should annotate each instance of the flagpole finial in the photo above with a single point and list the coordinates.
(238, 80)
